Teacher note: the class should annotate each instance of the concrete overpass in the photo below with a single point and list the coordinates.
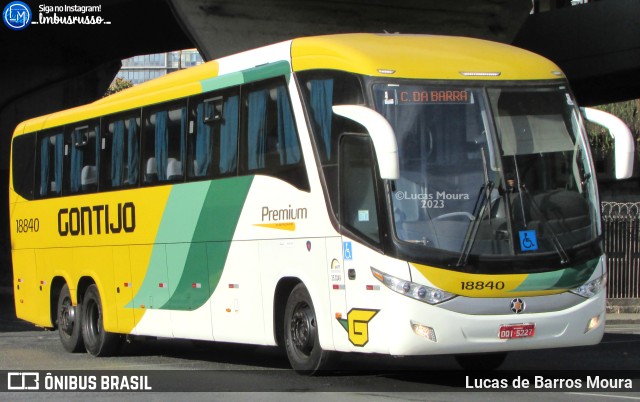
(596, 44)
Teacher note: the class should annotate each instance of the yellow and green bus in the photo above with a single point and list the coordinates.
(393, 194)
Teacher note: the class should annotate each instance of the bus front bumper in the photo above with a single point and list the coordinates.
(416, 330)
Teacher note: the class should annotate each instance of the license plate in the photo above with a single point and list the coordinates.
(512, 331)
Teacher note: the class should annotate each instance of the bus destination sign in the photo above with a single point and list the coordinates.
(415, 95)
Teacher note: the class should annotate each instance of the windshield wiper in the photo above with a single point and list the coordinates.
(478, 212)
(564, 258)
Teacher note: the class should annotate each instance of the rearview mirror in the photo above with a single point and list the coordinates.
(622, 139)
(381, 133)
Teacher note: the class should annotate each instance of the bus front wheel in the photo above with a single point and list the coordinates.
(97, 341)
(301, 338)
(68, 321)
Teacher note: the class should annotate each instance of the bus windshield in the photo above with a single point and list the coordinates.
(491, 171)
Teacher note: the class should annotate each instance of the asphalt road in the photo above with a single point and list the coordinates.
(239, 372)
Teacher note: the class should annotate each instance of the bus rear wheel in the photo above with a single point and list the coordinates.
(68, 321)
(97, 341)
(301, 337)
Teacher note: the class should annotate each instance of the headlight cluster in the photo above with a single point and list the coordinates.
(413, 290)
(592, 288)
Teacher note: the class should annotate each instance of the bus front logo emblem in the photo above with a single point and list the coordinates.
(517, 306)
(357, 325)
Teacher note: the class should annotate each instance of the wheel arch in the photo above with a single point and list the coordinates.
(83, 284)
(57, 283)
(281, 295)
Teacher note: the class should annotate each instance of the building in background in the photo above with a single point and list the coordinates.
(139, 69)
(540, 6)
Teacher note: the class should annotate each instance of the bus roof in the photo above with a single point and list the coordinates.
(389, 55)
(420, 56)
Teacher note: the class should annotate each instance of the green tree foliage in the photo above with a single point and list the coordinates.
(118, 85)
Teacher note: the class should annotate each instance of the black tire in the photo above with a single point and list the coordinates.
(481, 361)
(68, 322)
(301, 334)
(97, 341)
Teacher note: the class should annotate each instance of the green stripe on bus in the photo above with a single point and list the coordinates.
(209, 248)
(180, 215)
(182, 275)
(223, 81)
(277, 69)
(271, 70)
(568, 278)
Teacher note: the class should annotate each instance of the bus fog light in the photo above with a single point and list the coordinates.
(424, 331)
(594, 323)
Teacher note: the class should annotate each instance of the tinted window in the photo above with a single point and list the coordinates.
(270, 140)
(163, 144)
(322, 90)
(23, 150)
(81, 150)
(358, 210)
(212, 140)
(50, 162)
(120, 151)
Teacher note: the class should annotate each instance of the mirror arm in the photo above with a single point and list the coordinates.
(381, 133)
(622, 137)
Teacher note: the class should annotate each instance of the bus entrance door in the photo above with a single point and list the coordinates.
(337, 293)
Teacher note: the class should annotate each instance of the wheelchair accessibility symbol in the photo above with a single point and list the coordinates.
(347, 250)
(528, 240)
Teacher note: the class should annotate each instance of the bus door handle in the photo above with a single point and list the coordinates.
(351, 274)
(502, 234)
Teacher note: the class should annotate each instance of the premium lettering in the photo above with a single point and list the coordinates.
(285, 214)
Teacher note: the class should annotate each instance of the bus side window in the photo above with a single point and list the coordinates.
(322, 90)
(50, 163)
(82, 149)
(270, 141)
(212, 139)
(163, 144)
(358, 207)
(23, 161)
(119, 157)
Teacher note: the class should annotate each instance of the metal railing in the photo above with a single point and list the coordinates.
(621, 234)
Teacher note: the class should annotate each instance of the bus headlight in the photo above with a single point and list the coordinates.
(592, 288)
(413, 290)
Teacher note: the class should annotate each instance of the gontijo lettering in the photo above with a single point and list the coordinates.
(97, 219)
